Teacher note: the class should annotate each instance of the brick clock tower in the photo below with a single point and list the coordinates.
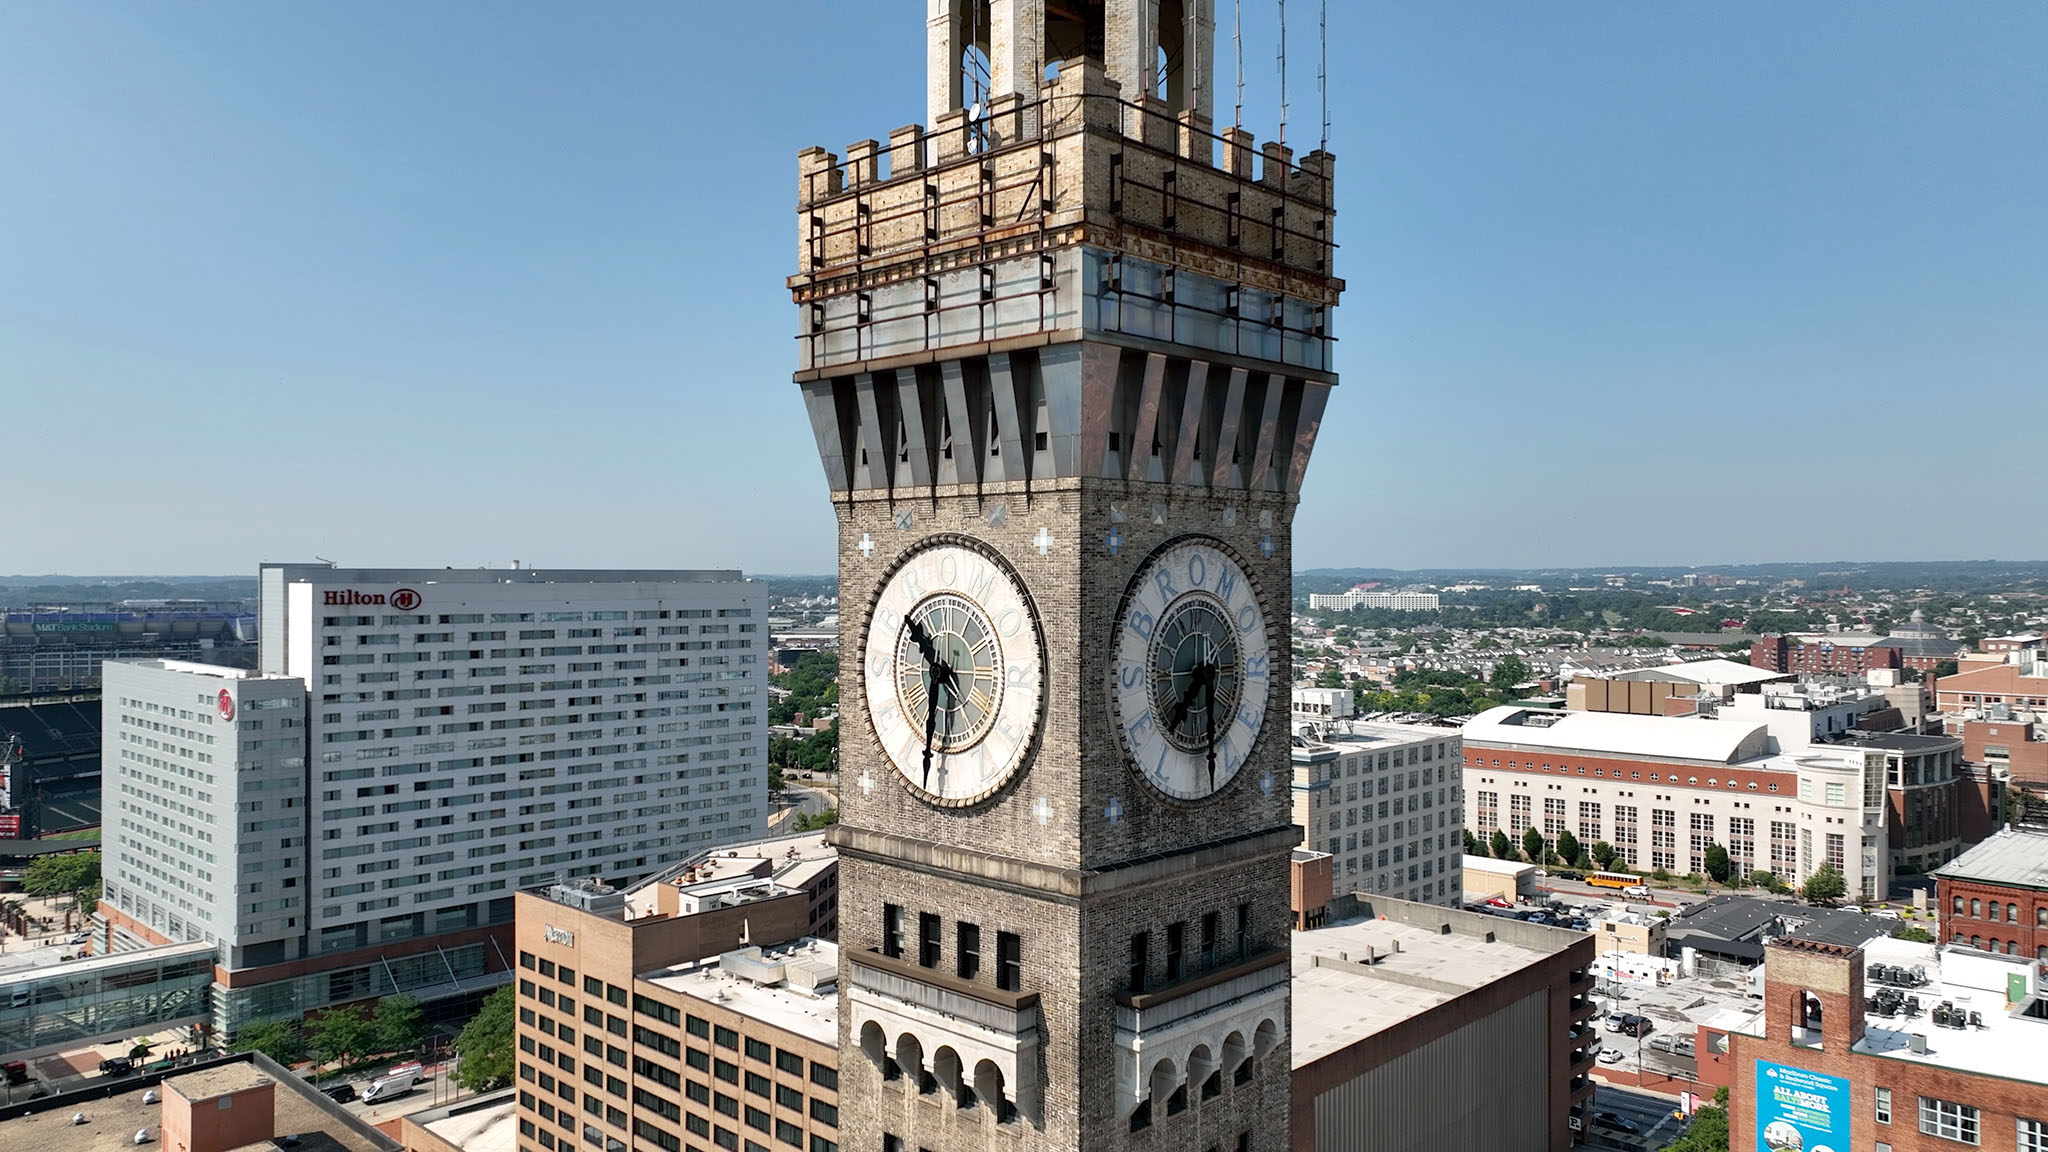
(1065, 353)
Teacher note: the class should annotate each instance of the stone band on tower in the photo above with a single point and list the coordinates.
(1065, 356)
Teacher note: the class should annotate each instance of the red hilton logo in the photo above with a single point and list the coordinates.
(227, 705)
(405, 599)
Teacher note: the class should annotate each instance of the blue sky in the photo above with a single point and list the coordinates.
(464, 283)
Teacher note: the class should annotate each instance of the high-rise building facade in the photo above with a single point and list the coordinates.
(1386, 802)
(1065, 354)
(353, 818)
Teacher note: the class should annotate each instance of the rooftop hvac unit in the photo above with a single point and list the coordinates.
(590, 895)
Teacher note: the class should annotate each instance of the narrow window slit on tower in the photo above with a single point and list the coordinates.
(931, 211)
(1234, 203)
(1116, 182)
(1171, 191)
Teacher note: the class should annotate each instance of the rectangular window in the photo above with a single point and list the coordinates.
(2030, 1135)
(966, 950)
(1009, 961)
(825, 1076)
(759, 1050)
(1948, 1120)
(1141, 959)
(928, 928)
(1176, 937)
(1881, 1102)
(892, 931)
(1209, 929)
(788, 1061)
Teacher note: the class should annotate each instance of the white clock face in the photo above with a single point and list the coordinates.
(954, 672)
(1193, 669)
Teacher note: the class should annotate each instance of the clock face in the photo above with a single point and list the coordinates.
(1193, 669)
(954, 672)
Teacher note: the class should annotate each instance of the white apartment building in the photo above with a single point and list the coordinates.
(1398, 601)
(1660, 789)
(204, 834)
(417, 745)
(1385, 801)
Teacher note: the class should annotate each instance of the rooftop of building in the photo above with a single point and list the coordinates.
(111, 1120)
(1993, 678)
(332, 574)
(1356, 977)
(1353, 735)
(2008, 1044)
(713, 878)
(1716, 672)
(793, 987)
(2015, 857)
(487, 1124)
(1500, 867)
(1711, 741)
(1896, 741)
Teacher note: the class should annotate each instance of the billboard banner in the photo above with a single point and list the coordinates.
(1800, 1111)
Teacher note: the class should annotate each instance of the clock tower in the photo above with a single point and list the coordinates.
(1065, 350)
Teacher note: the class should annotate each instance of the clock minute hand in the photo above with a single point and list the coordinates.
(925, 647)
(931, 715)
(1209, 719)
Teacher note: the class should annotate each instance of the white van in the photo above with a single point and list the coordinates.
(395, 1083)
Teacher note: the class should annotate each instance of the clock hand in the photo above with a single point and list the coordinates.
(931, 713)
(1209, 719)
(924, 640)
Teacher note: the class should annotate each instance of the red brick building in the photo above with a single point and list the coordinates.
(2020, 747)
(1995, 896)
(1830, 1068)
(1845, 654)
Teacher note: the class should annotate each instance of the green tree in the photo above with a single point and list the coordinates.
(776, 780)
(1501, 845)
(340, 1034)
(484, 1047)
(281, 1040)
(1568, 849)
(1510, 672)
(1944, 668)
(1915, 934)
(1826, 885)
(1717, 863)
(62, 874)
(1532, 845)
(1768, 881)
(1472, 845)
(1708, 1130)
(1604, 855)
(1330, 677)
(398, 1022)
(807, 823)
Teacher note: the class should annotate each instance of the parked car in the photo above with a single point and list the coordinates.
(1612, 1055)
(116, 1066)
(1640, 891)
(1639, 1026)
(81, 938)
(1611, 1120)
(1685, 1047)
(1618, 1021)
(341, 1093)
(1568, 874)
(1664, 1043)
(15, 1071)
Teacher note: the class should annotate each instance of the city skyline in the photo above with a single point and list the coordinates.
(438, 281)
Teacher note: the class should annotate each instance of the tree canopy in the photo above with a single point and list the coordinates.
(62, 874)
(281, 1040)
(343, 1033)
(485, 1045)
(1718, 865)
(1825, 885)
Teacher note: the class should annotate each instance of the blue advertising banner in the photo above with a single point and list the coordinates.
(1800, 1111)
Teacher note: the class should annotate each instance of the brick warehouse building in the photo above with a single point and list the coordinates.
(1835, 655)
(1826, 1066)
(1995, 896)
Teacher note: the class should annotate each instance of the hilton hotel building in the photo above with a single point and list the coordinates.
(352, 818)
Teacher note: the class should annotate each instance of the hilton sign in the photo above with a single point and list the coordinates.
(405, 599)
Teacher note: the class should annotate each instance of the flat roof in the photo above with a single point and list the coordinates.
(328, 574)
(110, 1122)
(781, 1006)
(1500, 867)
(2008, 1046)
(2009, 857)
(1693, 738)
(1716, 671)
(489, 1129)
(1362, 735)
(1339, 1002)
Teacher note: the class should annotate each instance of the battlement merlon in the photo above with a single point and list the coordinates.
(1079, 165)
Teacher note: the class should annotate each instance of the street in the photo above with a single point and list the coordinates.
(1650, 1113)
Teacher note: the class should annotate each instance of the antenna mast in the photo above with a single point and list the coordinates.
(1323, 69)
(1283, 72)
(1237, 44)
